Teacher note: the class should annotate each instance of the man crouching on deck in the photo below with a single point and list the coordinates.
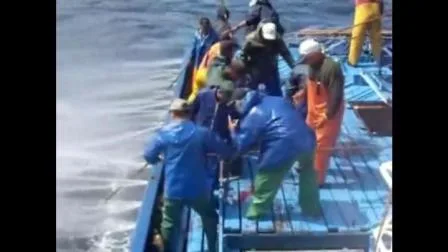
(325, 102)
(272, 122)
(183, 147)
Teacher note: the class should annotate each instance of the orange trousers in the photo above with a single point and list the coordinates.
(327, 131)
(326, 137)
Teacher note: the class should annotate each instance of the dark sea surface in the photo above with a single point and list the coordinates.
(115, 60)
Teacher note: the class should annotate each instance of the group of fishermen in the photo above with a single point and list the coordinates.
(236, 105)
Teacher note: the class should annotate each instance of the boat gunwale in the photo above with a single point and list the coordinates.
(141, 238)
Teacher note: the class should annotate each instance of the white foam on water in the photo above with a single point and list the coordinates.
(160, 64)
(111, 182)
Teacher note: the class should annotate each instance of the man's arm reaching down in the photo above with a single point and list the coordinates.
(153, 150)
(286, 54)
(249, 132)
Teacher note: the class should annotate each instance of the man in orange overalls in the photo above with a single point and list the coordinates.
(325, 102)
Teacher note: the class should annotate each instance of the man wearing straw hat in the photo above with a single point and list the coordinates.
(183, 146)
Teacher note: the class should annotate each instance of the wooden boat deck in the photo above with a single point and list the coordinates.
(352, 203)
(353, 200)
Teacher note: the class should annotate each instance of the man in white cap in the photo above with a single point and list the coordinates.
(184, 146)
(325, 101)
(260, 53)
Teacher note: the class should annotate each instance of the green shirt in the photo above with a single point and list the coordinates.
(329, 73)
(215, 74)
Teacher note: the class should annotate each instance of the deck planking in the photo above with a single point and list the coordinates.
(355, 194)
(353, 198)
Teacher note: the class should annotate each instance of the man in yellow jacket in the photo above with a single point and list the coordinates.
(367, 18)
(223, 48)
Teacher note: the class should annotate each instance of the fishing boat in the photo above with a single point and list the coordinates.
(355, 203)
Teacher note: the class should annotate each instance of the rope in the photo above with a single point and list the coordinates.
(363, 23)
(114, 192)
(175, 80)
(356, 25)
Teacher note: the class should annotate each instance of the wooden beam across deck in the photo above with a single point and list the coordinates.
(298, 241)
(346, 32)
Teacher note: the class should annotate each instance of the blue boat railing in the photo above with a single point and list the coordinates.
(145, 224)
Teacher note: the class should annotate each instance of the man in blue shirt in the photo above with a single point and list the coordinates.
(204, 38)
(273, 124)
(210, 109)
(183, 146)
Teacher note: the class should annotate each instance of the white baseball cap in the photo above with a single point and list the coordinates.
(309, 46)
(269, 31)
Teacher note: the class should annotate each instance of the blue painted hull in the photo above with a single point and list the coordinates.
(353, 202)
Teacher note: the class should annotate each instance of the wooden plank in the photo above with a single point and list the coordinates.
(311, 224)
(281, 215)
(354, 217)
(330, 208)
(245, 196)
(370, 156)
(290, 204)
(371, 211)
(334, 32)
(345, 168)
(232, 210)
(368, 171)
(369, 183)
(291, 195)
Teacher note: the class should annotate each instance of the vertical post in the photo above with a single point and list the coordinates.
(221, 206)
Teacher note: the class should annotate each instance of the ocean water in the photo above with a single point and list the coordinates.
(115, 60)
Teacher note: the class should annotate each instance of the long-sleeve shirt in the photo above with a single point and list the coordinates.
(261, 57)
(262, 11)
(207, 112)
(201, 44)
(184, 147)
